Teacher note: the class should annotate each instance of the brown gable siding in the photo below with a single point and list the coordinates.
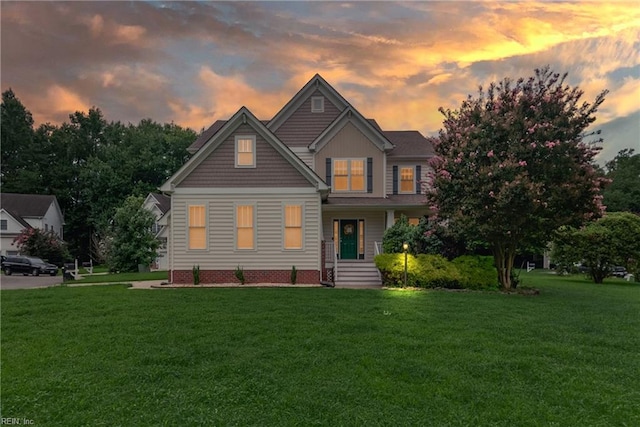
(218, 170)
(304, 126)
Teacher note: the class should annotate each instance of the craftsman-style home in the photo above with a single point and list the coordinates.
(315, 187)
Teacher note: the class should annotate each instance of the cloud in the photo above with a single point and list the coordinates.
(58, 102)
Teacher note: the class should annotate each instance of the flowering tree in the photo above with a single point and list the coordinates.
(512, 166)
(43, 244)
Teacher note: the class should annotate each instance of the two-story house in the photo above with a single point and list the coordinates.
(24, 211)
(315, 187)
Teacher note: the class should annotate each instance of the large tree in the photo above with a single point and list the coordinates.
(623, 194)
(512, 165)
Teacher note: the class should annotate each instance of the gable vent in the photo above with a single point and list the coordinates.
(317, 104)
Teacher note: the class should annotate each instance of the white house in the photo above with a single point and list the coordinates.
(20, 211)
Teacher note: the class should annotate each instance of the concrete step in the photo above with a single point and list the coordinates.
(357, 274)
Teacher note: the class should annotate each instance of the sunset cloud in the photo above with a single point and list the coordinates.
(195, 62)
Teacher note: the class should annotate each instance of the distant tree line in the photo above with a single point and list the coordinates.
(90, 165)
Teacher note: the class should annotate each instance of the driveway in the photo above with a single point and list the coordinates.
(18, 281)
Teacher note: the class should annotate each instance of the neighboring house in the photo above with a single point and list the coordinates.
(159, 205)
(20, 211)
(315, 187)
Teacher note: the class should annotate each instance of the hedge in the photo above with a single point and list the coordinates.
(435, 271)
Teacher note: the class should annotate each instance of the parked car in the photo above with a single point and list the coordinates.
(27, 265)
(619, 271)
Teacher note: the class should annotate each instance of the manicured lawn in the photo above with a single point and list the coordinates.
(122, 277)
(108, 355)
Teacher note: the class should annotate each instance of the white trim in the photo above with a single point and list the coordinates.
(302, 224)
(351, 115)
(206, 226)
(348, 160)
(251, 138)
(254, 223)
(191, 191)
(413, 180)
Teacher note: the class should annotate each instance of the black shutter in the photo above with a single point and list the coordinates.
(418, 179)
(369, 175)
(395, 180)
(329, 172)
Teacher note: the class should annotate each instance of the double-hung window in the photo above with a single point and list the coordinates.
(348, 174)
(245, 151)
(197, 227)
(245, 230)
(293, 226)
(407, 180)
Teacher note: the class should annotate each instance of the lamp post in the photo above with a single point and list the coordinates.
(405, 247)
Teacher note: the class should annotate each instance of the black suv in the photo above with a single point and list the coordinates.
(27, 265)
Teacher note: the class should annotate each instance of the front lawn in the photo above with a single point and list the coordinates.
(121, 277)
(107, 355)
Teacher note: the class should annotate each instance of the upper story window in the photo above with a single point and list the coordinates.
(348, 174)
(317, 104)
(3, 224)
(407, 180)
(245, 151)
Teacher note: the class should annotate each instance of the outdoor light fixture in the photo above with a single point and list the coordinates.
(405, 246)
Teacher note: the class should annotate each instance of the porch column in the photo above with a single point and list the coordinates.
(391, 216)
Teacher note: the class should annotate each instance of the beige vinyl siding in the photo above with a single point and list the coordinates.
(219, 169)
(401, 163)
(305, 155)
(269, 252)
(349, 142)
(373, 229)
(303, 126)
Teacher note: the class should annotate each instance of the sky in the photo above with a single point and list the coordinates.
(192, 63)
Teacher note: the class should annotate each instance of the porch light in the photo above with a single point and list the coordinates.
(405, 247)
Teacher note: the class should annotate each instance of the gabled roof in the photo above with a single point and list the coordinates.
(316, 83)
(351, 115)
(207, 134)
(409, 143)
(240, 117)
(27, 205)
(21, 206)
(163, 202)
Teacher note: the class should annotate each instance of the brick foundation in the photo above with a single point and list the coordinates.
(251, 276)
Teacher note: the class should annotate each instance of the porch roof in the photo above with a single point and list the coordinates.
(391, 201)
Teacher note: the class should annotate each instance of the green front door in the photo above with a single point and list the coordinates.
(348, 239)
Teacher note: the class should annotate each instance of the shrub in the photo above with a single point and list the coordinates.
(478, 272)
(196, 274)
(294, 275)
(435, 271)
(239, 273)
(421, 238)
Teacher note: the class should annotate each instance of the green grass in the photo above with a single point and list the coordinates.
(123, 277)
(108, 355)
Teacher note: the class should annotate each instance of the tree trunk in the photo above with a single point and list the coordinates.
(504, 255)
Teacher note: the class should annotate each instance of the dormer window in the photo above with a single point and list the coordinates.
(245, 151)
(317, 104)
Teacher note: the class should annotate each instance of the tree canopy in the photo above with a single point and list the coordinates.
(90, 165)
(623, 194)
(511, 165)
(613, 240)
(132, 242)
